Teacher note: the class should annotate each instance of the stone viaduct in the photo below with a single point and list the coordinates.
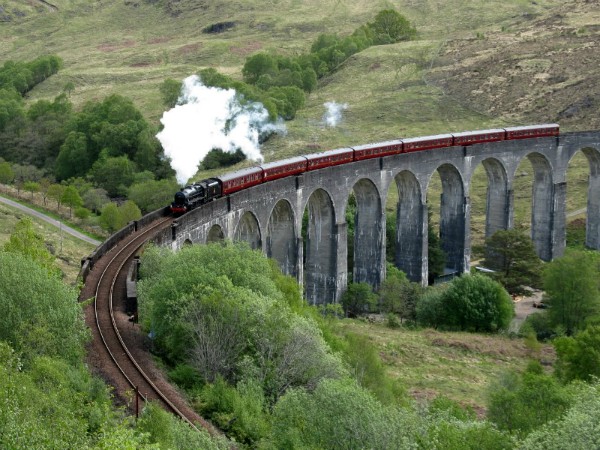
(270, 216)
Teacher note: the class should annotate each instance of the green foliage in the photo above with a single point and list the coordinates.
(364, 363)
(114, 174)
(340, 414)
(6, 173)
(71, 198)
(170, 90)
(512, 255)
(430, 309)
(55, 192)
(470, 302)
(153, 194)
(95, 199)
(523, 403)
(475, 302)
(218, 158)
(399, 296)
(166, 431)
(38, 313)
(26, 241)
(579, 356)
(578, 429)
(239, 411)
(232, 321)
(358, 299)
(22, 77)
(73, 159)
(573, 292)
(576, 231)
(110, 218)
(390, 26)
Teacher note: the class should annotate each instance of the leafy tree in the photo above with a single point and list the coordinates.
(358, 299)
(390, 26)
(26, 241)
(170, 90)
(340, 414)
(512, 255)
(257, 65)
(233, 321)
(71, 198)
(45, 184)
(471, 302)
(114, 174)
(576, 430)
(153, 194)
(55, 192)
(523, 403)
(31, 187)
(128, 212)
(110, 219)
(95, 199)
(73, 159)
(39, 314)
(399, 296)
(216, 158)
(572, 289)
(579, 356)
(6, 173)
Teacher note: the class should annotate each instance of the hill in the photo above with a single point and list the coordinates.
(471, 66)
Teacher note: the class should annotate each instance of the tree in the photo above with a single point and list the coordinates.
(95, 199)
(153, 194)
(576, 430)
(71, 198)
(31, 187)
(26, 241)
(470, 302)
(398, 295)
(572, 289)
(257, 65)
(358, 299)
(512, 255)
(73, 159)
(390, 26)
(6, 173)
(115, 174)
(522, 403)
(110, 219)
(579, 356)
(129, 212)
(170, 90)
(55, 192)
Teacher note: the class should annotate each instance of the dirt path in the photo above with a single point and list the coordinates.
(523, 308)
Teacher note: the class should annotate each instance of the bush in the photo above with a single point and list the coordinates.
(358, 299)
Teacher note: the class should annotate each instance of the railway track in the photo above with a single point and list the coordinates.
(118, 351)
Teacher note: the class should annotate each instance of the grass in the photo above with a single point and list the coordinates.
(457, 365)
(68, 250)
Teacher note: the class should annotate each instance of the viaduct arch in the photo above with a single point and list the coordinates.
(270, 216)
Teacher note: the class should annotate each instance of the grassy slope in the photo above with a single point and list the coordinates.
(459, 366)
(67, 249)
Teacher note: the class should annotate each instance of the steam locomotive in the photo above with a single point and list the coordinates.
(206, 190)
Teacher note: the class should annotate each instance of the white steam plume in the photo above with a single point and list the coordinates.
(207, 118)
(333, 115)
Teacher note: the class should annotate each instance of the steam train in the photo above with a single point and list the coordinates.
(206, 190)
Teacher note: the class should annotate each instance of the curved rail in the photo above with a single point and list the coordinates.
(109, 275)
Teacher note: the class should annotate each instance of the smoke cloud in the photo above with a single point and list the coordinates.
(206, 118)
(333, 113)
